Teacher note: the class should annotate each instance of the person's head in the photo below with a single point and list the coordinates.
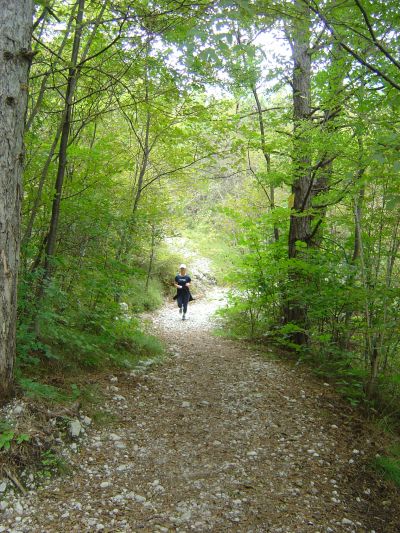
(182, 269)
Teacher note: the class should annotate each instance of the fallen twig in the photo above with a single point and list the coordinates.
(15, 480)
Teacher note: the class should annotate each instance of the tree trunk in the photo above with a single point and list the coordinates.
(62, 156)
(145, 145)
(16, 20)
(36, 204)
(359, 201)
(301, 188)
(43, 176)
(151, 260)
(300, 221)
(267, 156)
(55, 62)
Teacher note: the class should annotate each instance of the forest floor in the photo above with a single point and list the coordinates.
(219, 437)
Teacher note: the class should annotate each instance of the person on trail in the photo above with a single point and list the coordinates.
(182, 284)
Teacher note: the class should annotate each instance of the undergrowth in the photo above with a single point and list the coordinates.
(389, 465)
(72, 335)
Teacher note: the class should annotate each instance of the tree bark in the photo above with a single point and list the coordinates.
(301, 188)
(16, 20)
(300, 220)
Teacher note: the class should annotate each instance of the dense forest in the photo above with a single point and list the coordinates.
(266, 132)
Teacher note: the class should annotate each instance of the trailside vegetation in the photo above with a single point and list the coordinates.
(271, 125)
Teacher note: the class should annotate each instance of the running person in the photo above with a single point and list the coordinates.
(182, 284)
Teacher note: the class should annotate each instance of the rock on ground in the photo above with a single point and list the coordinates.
(218, 438)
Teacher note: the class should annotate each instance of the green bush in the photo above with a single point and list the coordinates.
(390, 465)
(41, 391)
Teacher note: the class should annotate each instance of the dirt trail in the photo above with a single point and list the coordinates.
(217, 438)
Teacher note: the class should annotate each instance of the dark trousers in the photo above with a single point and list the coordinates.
(183, 300)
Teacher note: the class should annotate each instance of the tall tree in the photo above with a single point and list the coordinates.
(15, 57)
(300, 219)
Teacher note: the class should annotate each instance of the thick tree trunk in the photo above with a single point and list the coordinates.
(16, 20)
(300, 220)
(302, 184)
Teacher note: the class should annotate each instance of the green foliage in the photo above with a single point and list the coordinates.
(103, 418)
(41, 391)
(390, 465)
(168, 140)
(209, 243)
(118, 200)
(9, 437)
(5, 439)
(52, 464)
(82, 336)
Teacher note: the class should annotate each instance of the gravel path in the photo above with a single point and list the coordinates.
(216, 438)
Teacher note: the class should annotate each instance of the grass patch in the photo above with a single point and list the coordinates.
(389, 465)
(42, 391)
(104, 418)
(52, 464)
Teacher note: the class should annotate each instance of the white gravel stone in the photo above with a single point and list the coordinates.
(3, 505)
(18, 409)
(75, 428)
(260, 447)
(347, 522)
(18, 508)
